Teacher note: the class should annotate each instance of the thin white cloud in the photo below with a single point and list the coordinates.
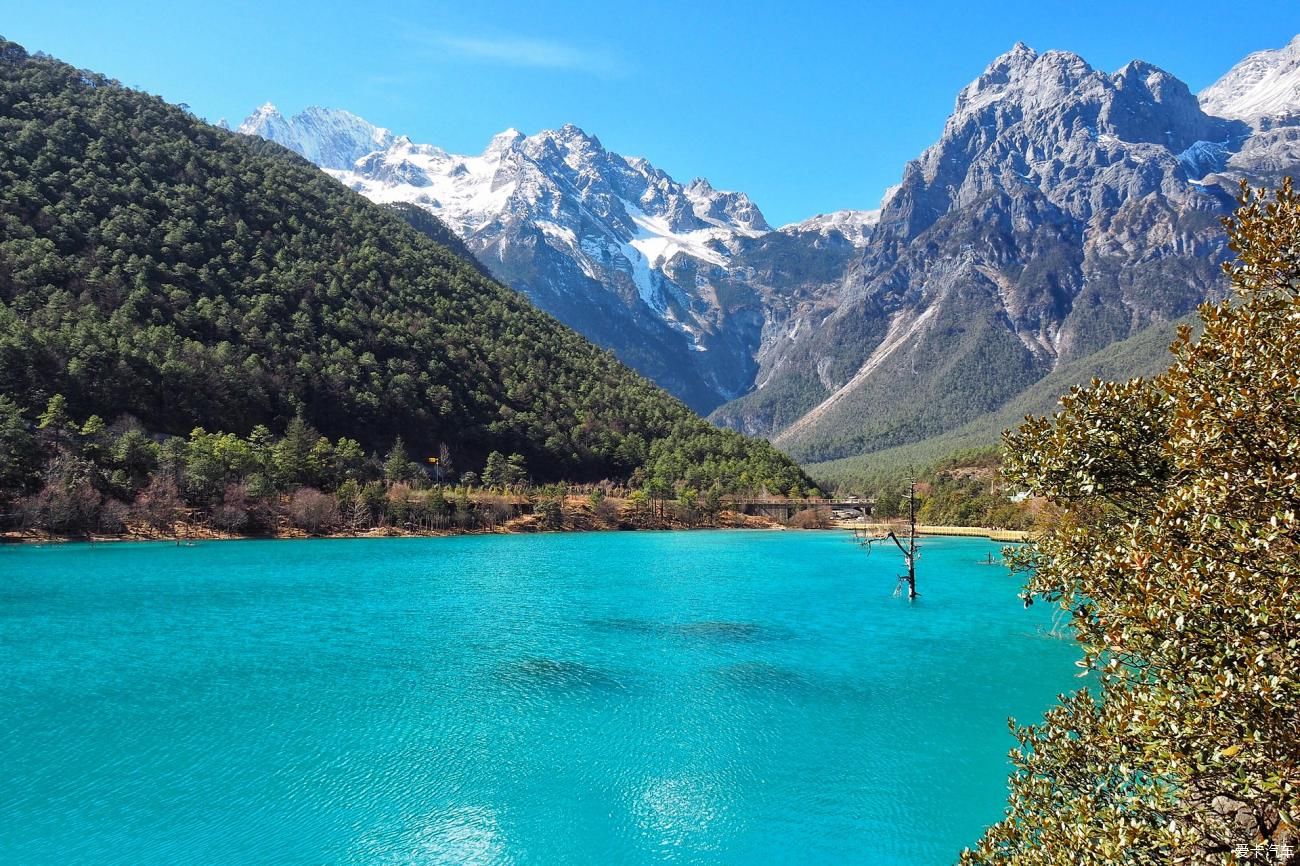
(524, 51)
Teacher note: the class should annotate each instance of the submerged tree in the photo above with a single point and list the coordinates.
(1175, 547)
(908, 550)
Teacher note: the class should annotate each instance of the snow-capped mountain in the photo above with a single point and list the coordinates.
(329, 138)
(610, 245)
(1263, 89)
(1062, 209)
(854, 225)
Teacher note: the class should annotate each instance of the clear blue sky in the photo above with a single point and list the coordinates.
(807, 106)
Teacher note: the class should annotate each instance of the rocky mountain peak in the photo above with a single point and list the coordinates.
(995, 79)
(1002, 67)
(1020, 82)
(699, 188)
(503, 141)
(573, 133)
(720, 207)
(1052, 123)
(267, 121)
(1020, 52)
(569, 144)
(611, 245)
(264, 113)
(853, 225)
(329, 137)
(1147, 83)
(1044, 224)
(1063, 207)
(1263, 89)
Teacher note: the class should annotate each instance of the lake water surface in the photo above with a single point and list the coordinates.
(703, 697)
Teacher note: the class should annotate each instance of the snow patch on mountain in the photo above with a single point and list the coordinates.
(629, 199)
(658, 243)
(610, 244)
(563, 234)
(329, 137)
(464, 191)
(732, 211)
(643, 278)
(1263, 89)
(854, 225)
(1204, 157)
(607, 213)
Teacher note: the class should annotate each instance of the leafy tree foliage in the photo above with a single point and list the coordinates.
(550, 506)
(1177, 548)
(156, 266)
(96, 478)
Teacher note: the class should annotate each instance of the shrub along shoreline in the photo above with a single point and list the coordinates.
(63, 478)
(489, 513)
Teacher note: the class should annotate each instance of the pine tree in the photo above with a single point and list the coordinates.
(55, 423)
(294, 460)
(496, 472)
(17, 451)
(397, 464)
(516, 470)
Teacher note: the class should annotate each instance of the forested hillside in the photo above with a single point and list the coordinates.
(158, 269)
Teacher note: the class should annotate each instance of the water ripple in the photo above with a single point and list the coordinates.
(629, 698)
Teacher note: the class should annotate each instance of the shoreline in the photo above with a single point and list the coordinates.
(1009, 535)
(524, 525)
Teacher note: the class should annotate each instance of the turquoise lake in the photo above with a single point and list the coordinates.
(740, 697)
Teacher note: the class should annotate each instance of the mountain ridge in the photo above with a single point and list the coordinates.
(610, 245)
(164, 274)
(1062, 208)
(1262, 89)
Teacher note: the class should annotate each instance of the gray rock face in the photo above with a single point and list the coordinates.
(1263, 90)
(1085, 139)
(1063, 208)
(611, 246)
